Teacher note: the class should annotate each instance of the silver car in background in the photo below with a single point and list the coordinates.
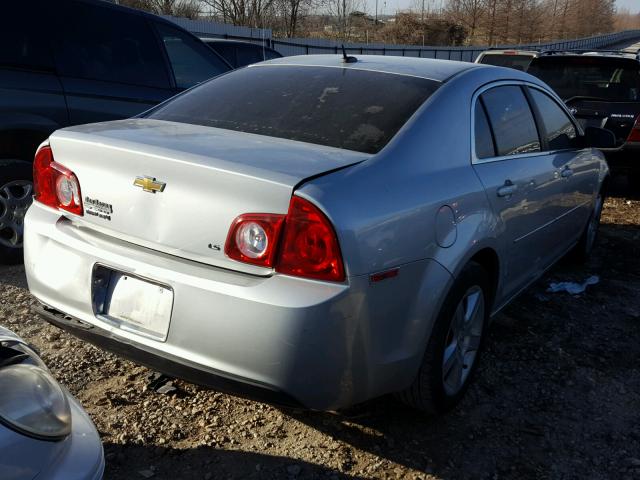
(44, 432)
(314, 230)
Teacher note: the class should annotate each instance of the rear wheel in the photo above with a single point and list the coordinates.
(16, 190)
(584, 247)
(455, 344)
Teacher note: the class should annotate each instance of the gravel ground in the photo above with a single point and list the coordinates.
(557, 395)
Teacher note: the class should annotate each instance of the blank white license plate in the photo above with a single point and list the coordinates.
(139, 306)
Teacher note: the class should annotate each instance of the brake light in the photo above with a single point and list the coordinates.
(309, 244)
(308, 248)
(54, 184)
(634, 136)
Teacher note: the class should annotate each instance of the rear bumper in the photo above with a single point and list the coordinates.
(162, 362)
(279, 339)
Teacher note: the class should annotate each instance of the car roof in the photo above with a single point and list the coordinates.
(232, 42)
(428, 68)
(133, 11)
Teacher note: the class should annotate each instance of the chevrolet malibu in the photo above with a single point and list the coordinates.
(312, 230)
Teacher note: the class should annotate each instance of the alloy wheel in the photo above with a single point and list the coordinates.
(15, 198)
(463, 340)
(594, 223)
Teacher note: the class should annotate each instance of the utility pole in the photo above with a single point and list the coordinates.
(422, 22)
(375, 23)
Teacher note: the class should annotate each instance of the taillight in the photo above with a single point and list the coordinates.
(309, 244)
(54, 184)
(634, 136)
(303, 243)
(253, 238)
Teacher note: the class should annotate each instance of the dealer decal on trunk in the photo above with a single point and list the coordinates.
(95, 207)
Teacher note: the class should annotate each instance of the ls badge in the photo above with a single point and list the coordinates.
(149, 184)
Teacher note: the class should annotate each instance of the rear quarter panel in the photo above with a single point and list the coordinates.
(385, 209)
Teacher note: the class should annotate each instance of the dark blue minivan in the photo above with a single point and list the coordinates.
(68, 62)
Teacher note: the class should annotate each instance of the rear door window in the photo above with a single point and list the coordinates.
(191, 60)
(344, 108)
(483, 136)
(560, 131)
(512, 121)
(103, 43)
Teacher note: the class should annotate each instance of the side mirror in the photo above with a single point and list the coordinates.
(597, 137)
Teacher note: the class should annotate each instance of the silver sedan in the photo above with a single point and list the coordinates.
(314, 230)
(44, 432)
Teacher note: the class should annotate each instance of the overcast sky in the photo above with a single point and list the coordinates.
(390, 6)
(633, 5)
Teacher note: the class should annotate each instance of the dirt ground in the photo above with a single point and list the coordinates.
(557, 396)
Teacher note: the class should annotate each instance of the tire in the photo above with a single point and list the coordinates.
(582, 251)
(434, 390)
(16, 190)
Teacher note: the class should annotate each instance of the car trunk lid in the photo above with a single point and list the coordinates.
(177, 188)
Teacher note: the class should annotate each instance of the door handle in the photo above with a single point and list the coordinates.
(507, 189)
(567, 172)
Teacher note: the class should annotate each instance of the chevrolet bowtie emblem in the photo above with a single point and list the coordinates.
(149, 184)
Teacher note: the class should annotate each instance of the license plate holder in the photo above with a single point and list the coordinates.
(132, 303)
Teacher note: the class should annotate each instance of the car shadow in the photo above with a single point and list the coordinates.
(620, 187)
(13, 275)
(126, 461)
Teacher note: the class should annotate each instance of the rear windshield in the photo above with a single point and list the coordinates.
(519, 62)
(598, 78)
(337, 107)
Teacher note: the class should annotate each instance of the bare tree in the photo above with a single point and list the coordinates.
(178, 8)
(250, 13)
(341, 11)
(528, 21)
(625, 20)
(470, 21)
(491, 20)
(288, 14)
(468, 13)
